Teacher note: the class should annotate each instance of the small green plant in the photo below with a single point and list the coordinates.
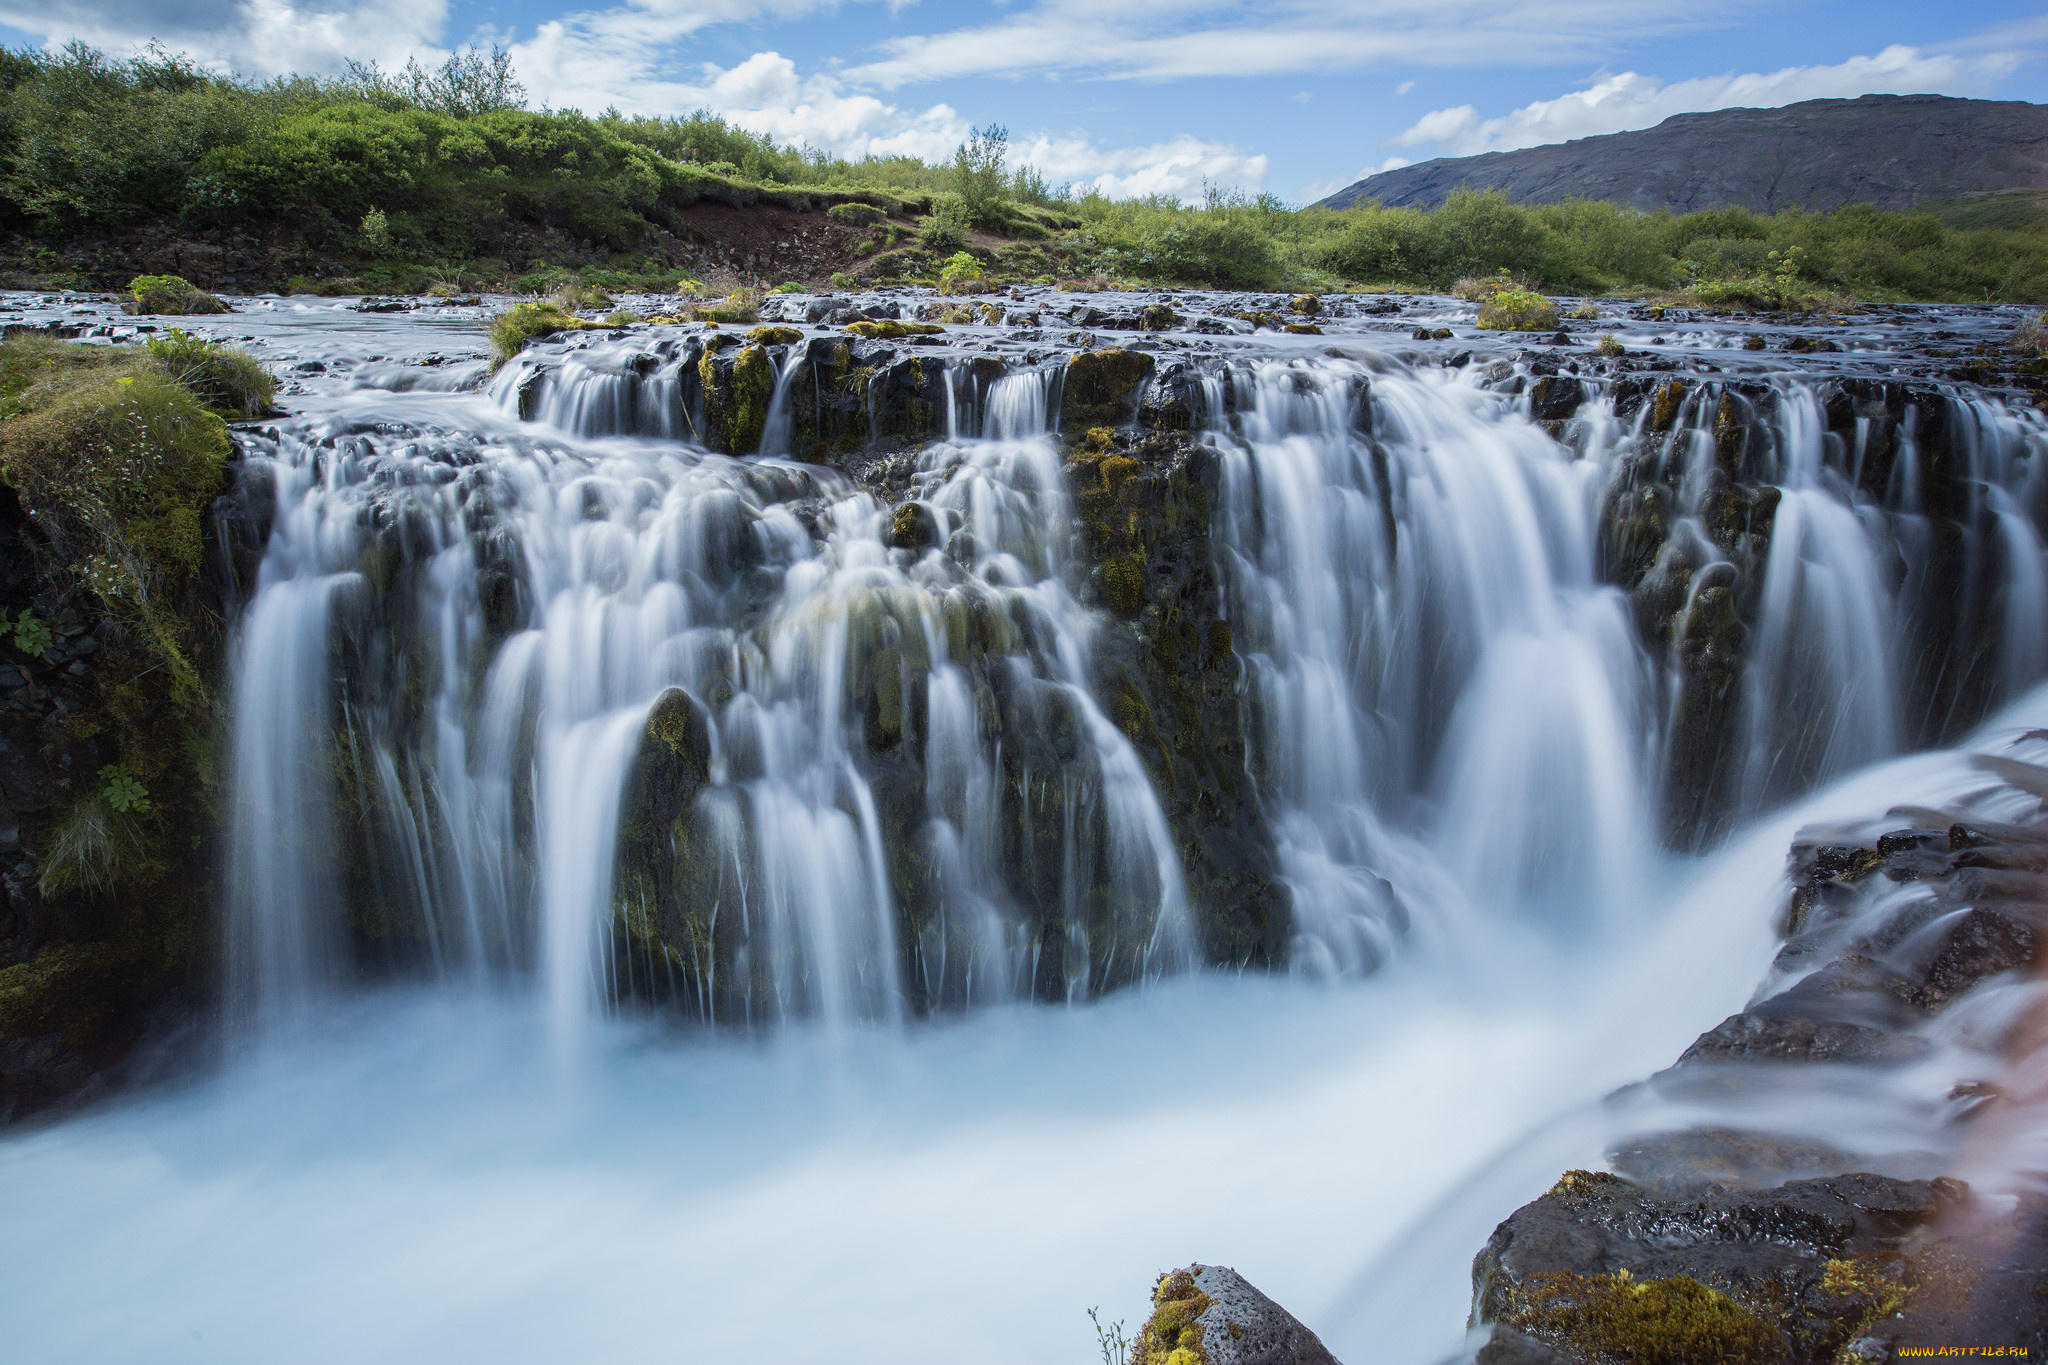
(787, 287)
(622, 318)
(1785, 267)
(170, 295)
(842, 280)
(31, 636)
(374, 232)
(121, 791)
(1585, 312)
(1518, 310)
(959, 271)
(1115, 1346)
(1608, 346)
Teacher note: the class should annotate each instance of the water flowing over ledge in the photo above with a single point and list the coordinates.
(860, 737)
(1482, 693)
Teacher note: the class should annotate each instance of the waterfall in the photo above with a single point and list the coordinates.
(1457, 708)
(1471, 677)
(867, 730)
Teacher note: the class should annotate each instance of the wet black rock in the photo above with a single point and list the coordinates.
(1790, 1274)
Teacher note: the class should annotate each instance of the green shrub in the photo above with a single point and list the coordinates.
(1518, 310)
(170, 295)
(959, 271)
(1610, 347)
(855, 215)
(374, 232)
(227, 379)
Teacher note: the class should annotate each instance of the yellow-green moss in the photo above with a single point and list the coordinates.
(1307, 305)
(739, 407)
(1664, 407)
(1101, 387)
(774, 336)
(1303, 329)
(1171, 1336)
(888, 329)
(1123, 585)
(1675, 1321)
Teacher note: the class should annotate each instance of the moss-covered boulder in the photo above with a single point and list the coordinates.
(1601, 1270)
(109, 654)
(1211, 1315)
(737, 389)
(1101, 388)
(169, 295)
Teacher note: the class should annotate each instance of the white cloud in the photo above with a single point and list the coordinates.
(1631, 100)
(1179, 167)
(1172, 39)
(262, 37)
(1403, 88)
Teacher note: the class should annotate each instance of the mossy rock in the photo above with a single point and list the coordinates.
(522, 323)
(737, 392)
(170, 296)
(774, 336)
(1674, 1321)
(1664, 407)
(1101, 387)
(913, 527)
(888, 329)
(855, 215)
(1307, 305)
(1303, 329)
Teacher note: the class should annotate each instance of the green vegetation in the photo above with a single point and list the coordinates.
(1518, 310)
(524, 322)
(231, 382)
(375, 181)
(1677, 1321)
(170, 294)
(118, 459)
(116, 454)
(959, 271)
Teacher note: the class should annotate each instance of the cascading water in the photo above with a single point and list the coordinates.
(540, 706)
(512, 606)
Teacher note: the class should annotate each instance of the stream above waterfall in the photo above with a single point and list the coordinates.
(909, 881)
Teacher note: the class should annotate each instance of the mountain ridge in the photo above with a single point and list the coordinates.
(1890, 151)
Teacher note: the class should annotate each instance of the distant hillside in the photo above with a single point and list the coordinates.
(1893, 151)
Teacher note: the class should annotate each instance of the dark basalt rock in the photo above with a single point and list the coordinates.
(1791, 1274)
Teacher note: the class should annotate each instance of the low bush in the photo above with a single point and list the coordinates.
(958, 273)
(1518, 310)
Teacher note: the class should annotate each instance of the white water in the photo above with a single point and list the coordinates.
(404, 1177)
(1460, 740)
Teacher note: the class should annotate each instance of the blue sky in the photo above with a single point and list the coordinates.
(1132, 96)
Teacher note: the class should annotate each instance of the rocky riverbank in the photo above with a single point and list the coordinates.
(1913, 952)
